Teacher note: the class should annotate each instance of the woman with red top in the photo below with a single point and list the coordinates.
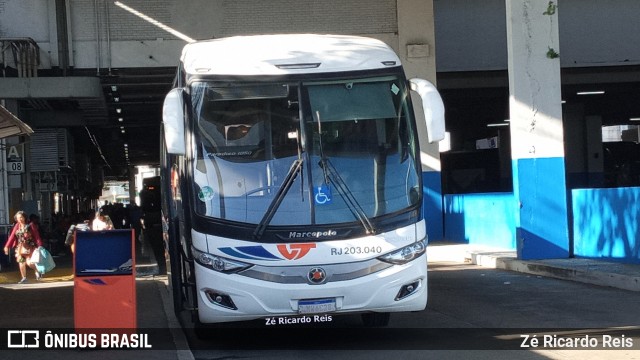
(25, 239)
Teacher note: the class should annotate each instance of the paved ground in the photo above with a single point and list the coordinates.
(597, 272)
(50, 302)
(62, 272)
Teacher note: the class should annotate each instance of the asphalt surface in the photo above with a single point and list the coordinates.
(596, 272)
(50, 301)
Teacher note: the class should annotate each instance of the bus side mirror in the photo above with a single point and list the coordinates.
(173, 120)
(432, 106)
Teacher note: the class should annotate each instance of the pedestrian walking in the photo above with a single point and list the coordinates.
(25, 239)
(101, 221)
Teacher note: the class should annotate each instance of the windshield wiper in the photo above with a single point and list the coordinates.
(331, 174)
(346, 194)
(295, 169)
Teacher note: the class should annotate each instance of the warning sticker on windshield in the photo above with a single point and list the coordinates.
(206, 193)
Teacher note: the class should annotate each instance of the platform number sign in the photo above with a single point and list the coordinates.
(15, 167)
(15, 159)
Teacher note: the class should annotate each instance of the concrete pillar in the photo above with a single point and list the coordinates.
(4, 186)
(133, 171)
(537, 147)
(417, 50)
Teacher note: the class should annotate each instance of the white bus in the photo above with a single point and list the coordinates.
(292, 181)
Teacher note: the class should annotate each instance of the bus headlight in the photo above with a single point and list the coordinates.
(218, 263)
(406, 254)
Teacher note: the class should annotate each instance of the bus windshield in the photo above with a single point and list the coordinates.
(304, 153)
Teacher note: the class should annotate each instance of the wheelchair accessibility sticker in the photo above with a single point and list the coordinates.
(322, 194)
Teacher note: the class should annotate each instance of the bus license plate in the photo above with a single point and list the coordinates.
(316, 306)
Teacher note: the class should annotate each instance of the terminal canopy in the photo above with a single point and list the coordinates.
(10, 125)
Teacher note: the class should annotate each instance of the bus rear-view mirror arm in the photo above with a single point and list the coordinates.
(173, 121)
(432, 106)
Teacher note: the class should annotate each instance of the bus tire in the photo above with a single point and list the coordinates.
(376, 319)
(175, 266)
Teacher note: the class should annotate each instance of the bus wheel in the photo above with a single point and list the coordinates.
(376, 319)
(175, 280)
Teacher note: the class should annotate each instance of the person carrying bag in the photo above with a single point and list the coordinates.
(25, 239)
(43, 260)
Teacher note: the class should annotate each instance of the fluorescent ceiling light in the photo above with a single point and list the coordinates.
(497, 124)
(596, 92)
(635, 119)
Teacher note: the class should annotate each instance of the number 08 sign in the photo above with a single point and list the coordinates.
(15, 159)
(15, 167)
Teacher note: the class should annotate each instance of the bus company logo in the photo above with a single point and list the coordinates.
(295, 251)
(317, 276)
(287, 252)
(21, 339)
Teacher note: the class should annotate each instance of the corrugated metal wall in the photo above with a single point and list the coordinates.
(51, 150)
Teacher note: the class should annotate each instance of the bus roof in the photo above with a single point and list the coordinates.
(286, 54)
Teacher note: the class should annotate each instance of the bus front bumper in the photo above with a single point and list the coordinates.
(233, 297)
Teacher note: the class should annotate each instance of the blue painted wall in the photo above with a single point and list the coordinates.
(483, 219)
(543, 222)
(606, 223)
(432, 204)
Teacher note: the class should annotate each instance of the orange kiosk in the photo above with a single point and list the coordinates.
(104, 280)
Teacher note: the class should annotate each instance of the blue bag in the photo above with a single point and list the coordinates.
(45, 263)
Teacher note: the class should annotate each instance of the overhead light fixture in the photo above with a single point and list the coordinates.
(497, 124)
(114, 88)
(126, 145)
(120, 119)
(634, 119)
(116, 99)
(595, 92)
(119, 111)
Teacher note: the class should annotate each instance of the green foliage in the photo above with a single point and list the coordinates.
(551, 9)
